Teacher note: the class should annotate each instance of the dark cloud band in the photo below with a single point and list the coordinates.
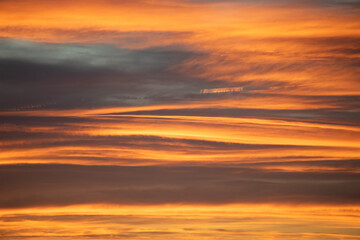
(48, 185)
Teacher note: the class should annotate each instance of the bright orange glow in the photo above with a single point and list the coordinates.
(245, 221)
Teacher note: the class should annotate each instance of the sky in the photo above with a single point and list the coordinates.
(179, 119)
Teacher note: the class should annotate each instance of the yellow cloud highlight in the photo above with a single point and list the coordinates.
(183, 222)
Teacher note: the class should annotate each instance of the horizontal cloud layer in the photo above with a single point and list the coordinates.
(49, 185)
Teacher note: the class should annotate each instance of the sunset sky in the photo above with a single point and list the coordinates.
(180, 119)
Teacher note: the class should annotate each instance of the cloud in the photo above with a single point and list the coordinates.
(127, 39)
(78, 76)
(33, 140)
(311, 115)
(101, 102)
(92, 55)
(222, 90)
(57, 185)
(313, 3)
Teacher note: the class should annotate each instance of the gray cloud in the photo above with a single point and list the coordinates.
(40, 75)
(92, 55)
(45, 185)
(57, 76)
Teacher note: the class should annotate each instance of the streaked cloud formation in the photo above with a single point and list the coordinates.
(192, 119)
(222, 90)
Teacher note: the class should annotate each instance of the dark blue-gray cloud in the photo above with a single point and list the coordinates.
(64, 76)
(46, 185)
(40, 75)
